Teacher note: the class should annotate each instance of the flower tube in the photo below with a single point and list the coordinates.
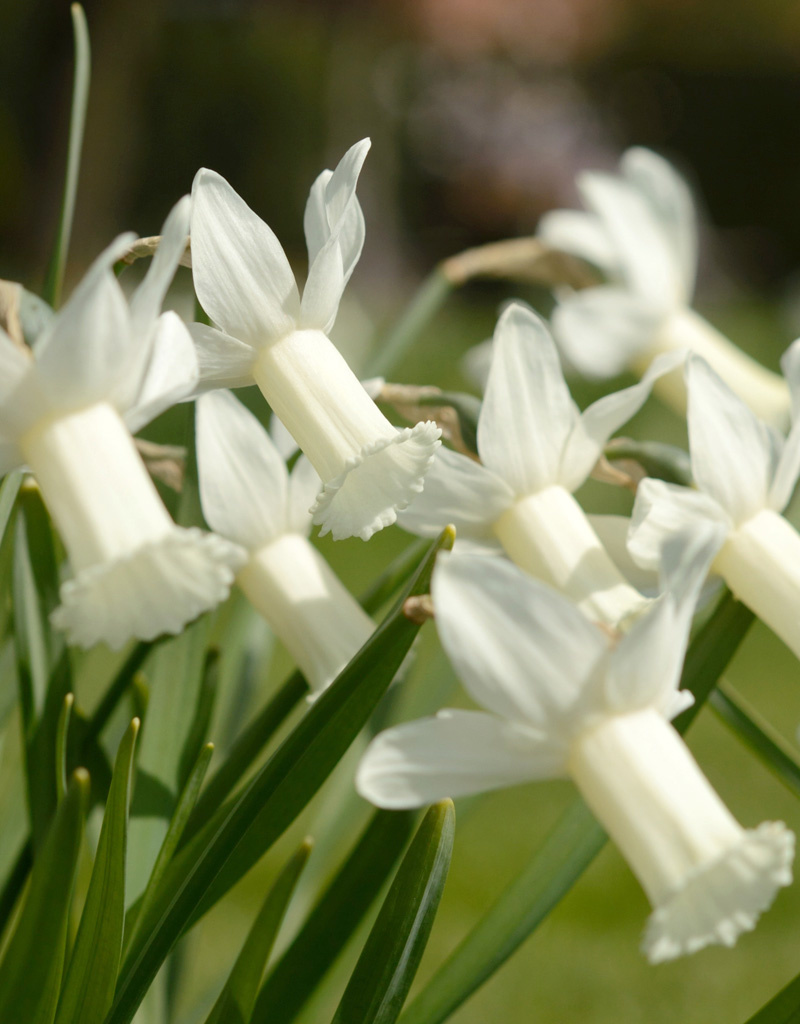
(249, 497)
(563, 700)
(640, 230)
(98, 370)
(536, 448)
(745, 474)
(266, 334)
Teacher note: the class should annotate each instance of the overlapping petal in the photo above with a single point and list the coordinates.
(580, 234)
(170, 373)
(661, 510)
(223, 361)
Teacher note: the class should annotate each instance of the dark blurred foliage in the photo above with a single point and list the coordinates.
(480, 113)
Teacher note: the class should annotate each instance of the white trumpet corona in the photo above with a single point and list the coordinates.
(248, 496)
(268, 335)
(564, 700)
(99, 369)
(640, 230)
(536, 448)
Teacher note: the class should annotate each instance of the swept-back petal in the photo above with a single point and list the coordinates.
(243, 479)
(790, 364)
(146, 301)
(323, 288)
(171, 374)
(671, 201)
(333, 210)
(527, 412)
(580, 234)
(662, 510)
(304, 486)
(604, 417)
(734, 454)
(460, 491)
(241, 273)
(454, 754)
(15, 362)
(223, 361)
(601, 330)
(521, 649)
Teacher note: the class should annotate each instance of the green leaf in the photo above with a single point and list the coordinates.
(245, 828)
(9, 490)
(388, 963)
(62, 733)
(429, 299)
(92, 974)
(567, 851)
(30, 972)
(334, 919)
(758, 734)
(784, 1008)
(185, 805)
(203, 708)
(236, 1001)
(80, 100)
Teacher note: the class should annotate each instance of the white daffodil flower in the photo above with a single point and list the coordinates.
(249, 497)
(536, 448)
(745, 474)
(563, 701)
(640, 229)
(269, 335)
(99, 370)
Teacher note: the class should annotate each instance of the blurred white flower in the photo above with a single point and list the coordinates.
(97, 371)
(745, 473)
(562, 700)
(536, 448)
(268, 335)
(249, 497)
(640, 229)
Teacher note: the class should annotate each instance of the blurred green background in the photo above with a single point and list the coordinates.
(480, 114)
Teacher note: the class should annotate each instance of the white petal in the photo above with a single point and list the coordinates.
(527, 412)
(790, 364)
(241, 273)
(613, 533)
(521, 649)
(600, 331)
(223, 361)
(315, 218)
(157, 589)
(243, 479)
(788, 469)
(334, 211)
(304, 486)
(649, 264)
(721, 900)
(460, 491)
(671, 201)
(580, 234)
(734, 455)
(604, 417)
(477, 361)
(454, 754)
(15, 362)
(170, 375)
(146, 301)
(323, 288)
(660, 511)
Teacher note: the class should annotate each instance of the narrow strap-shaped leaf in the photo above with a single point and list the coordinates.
(388, 963)
(244, 829)
(30, 972)
(183, 810)
(758, 734)
(251, 742)
(62, 734)
(9, 489)
(80, 99)
(204, 707)
(567, 851)
(236, 1001)
(784, 1008)
(427, 302)
(570, 847)
(117, 688)
(92, 973)
(334, 919)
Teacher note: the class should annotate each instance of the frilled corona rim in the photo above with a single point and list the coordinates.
(157, 589)
(376, 484)
(722, 899)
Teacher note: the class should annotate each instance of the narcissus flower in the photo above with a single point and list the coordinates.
(248, 496)
(640, 229)
(563, 701)
(536, 448)
(266, 334)
(99, 370)
(745, 474)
